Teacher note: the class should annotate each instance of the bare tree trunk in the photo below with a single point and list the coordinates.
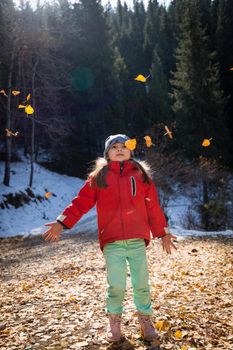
(25, 148)
(32, 155)
(205, 210)
(6, 180)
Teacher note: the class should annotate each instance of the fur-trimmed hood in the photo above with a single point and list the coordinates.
(101, 162)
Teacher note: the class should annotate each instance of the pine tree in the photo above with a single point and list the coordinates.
(198, 101)
(165, 42)
(8, 40)
(160, 104)
(222, 41)
(131, 43)
(93, 81)
(151, 31)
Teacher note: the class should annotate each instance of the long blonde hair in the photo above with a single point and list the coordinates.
(98, 173)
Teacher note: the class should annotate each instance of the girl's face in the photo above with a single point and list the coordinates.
(118, 152)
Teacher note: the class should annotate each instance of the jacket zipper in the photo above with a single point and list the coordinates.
(121, 170)
(121, 167)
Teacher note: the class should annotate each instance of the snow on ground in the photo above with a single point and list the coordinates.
(30, 218)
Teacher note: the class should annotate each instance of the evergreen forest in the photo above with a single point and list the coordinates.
(67, 80)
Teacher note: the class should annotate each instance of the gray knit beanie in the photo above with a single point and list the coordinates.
(114, 139)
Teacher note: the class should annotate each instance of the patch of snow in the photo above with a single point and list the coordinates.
(31, 218)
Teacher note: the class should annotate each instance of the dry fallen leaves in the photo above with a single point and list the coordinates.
(53, 296)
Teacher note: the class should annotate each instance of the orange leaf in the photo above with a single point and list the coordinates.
(206, 142)
(28, 97)
(148, 141)
(48, 194)
(178, 334)
(131, 144)
(5, 332)
(26, 287)
(162, 325)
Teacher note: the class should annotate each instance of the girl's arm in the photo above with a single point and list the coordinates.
(80, 205)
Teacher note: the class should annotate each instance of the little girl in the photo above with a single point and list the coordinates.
(128, 211)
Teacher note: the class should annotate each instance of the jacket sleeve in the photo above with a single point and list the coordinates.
(80, 205)
(157, 220)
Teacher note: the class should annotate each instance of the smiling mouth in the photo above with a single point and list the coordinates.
(120, 154)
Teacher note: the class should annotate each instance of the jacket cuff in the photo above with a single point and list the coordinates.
(167, 232)
(59, 219)
(64, 226)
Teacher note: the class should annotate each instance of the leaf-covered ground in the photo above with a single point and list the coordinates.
(52, 295)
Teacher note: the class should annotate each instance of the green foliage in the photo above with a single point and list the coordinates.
(199, 102)
(160, 104)
(216, 189)
(88, 57)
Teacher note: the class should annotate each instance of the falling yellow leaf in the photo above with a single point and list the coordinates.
(148, 141)
(168, 132)
(3, 92)
(178, 334)
(206, 142)
(15, 92)
(21, 106)
(131, 144)
(10, 133)
(28, 97)
(162, 325)
(29, 109)
(141, 78)
(48, 194)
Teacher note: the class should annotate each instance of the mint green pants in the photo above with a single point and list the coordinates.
(116, 256)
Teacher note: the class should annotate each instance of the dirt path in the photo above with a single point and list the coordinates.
(52, 295)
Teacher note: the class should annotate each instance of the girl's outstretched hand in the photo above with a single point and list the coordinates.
(167, 243)
(54, 231)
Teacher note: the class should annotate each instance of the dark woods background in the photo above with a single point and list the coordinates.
(79, 63)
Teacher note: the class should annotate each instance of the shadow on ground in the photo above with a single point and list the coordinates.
(18, 249)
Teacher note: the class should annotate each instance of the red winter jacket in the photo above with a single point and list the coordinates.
(127, 208)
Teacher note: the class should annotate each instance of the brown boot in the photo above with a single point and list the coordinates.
(147, 327)
(114, 327)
